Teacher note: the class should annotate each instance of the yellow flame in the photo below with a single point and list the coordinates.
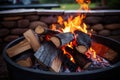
(75, 24)
(93, 53)
(84, 4)
(70, 56)
(53, 27)
(60, 20)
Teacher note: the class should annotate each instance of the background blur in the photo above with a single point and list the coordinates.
(68, 4)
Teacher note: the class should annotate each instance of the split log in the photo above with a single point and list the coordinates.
(48, 56)
(62, 38)
(32, 39)
(25, 62)
(83, 41)
(42, 30)
(18, 48)
(29, 42)
(80, 59)
(25, 59)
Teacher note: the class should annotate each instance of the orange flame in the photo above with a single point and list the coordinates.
(70, 56)
(93, 53)
(73, 24)
(84, 4)
(60, 20)
(53, 27)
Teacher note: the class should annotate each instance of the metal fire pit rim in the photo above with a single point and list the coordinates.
(7, 59)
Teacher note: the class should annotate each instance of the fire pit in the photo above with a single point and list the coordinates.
(68, 51)
(18, 72)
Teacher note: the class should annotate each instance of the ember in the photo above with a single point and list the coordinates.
(67, 49)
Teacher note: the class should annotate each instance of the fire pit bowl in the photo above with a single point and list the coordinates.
(17, 72)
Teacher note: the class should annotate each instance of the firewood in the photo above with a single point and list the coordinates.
(25, 62)
(83, 41)
(29, 42)
(42, 30)
(56, 64)
(81, 48)
(18, 48)
(80, 59)
(32, 39)
(68, 63)
(62, 39)
(47, 56)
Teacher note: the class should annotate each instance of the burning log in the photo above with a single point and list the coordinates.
(62, 39)
(29, 42)
(48, 56)
(83, 41)
(43, 30)
(80, 59)
(69, 64)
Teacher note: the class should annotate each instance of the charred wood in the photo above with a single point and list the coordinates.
(67, 63)
(62, 38)
(80, 59)
(83, 41)
(48, 56)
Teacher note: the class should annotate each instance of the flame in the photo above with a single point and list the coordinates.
(70, 56)
(60, 20)
(91, 53)
(53, 27)
(84, 4)
(73, 24)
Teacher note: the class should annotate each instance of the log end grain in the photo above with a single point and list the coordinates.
(39, 29)
(56, 41)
